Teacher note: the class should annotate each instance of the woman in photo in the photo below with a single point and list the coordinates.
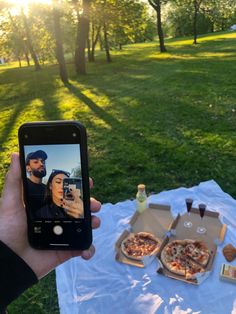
(56, 205)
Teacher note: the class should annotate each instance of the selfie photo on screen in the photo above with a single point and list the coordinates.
(54, 181)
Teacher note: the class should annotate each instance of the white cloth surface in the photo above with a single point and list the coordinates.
(105, 286)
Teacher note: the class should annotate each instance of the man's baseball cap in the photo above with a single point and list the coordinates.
(39, 154)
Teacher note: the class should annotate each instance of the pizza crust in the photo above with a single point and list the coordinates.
(138, 245)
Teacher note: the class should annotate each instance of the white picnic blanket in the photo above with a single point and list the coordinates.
(104, 286)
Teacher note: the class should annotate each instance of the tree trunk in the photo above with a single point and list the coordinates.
(59, 46)
(19, 61)
(106, 43)
(195, 22)
(29, 42)
(101, 44)
(159, 27)
(156, 4)
(82, 35)
(27, 58)
(89, 50)
(212, 27)
(94, 42)
(222, 25)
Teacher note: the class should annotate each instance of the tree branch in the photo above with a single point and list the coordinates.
(153, 4)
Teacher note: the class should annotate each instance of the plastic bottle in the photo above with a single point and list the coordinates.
(141, 198)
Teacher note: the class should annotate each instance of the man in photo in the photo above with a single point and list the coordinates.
(36, 169)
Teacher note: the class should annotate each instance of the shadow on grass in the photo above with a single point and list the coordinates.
(21, 102)
(115, 124)
(102, 114)
(11, 122)
(176, 119)
(50, 108)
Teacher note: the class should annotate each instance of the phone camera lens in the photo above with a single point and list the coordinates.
(74, 134)
(26, 135)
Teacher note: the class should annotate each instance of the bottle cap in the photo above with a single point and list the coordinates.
(141, 187)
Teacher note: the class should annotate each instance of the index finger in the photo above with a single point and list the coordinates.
(95, 205)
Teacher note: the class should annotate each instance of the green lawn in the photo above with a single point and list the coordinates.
(166, 120)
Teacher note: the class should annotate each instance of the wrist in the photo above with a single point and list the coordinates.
(16, 275)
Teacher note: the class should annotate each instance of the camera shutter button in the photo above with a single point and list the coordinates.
(58, 230)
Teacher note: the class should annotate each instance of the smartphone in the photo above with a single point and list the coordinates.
(72, 187)
(54, 165)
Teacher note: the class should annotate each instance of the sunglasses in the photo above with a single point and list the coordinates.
(60, 171)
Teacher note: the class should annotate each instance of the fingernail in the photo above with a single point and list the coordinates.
(86, 254)
(61, 199)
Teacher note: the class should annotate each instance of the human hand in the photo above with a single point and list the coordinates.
(13, 226)
(75, 207)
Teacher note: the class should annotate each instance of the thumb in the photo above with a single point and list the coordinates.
(13, 184)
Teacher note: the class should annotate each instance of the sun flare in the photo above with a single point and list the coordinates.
(25, 3)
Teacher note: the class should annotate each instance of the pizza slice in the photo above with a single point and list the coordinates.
(192, 269)
(198, 251)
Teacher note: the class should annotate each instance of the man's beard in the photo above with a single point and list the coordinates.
(39, 174)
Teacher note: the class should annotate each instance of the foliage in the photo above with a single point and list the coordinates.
(42, 31)
(214, 15)
(128, 22)
(132, 23)
(180, 22)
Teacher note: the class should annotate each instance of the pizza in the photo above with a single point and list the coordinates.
(185, 257)
(138, 245)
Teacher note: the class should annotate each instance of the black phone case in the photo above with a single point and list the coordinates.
(80, 236)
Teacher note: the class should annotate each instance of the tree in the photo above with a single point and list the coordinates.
(221, 13)
(76, 172)
(81, 35)
(20, 41)
(132, 23)
(95, 33)
(105, 10)
(119, 22)
(196, 5)
(12, 37)
(29, 42)
(41, 24)
(180, 20)
(59, 45)
(95, 28)
(156, 4)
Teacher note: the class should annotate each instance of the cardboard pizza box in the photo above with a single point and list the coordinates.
(215, 235)
(156, 219)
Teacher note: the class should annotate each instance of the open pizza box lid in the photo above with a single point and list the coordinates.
(156, 219)
(215, 235)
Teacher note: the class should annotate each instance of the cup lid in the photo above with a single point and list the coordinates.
(141, 187)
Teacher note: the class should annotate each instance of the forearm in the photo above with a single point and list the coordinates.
(15, 276)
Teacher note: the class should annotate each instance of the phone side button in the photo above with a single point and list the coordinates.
(57, 230)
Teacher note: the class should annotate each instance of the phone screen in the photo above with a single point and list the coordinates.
(54, 181)
(70, 185)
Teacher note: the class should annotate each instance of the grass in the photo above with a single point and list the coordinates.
(166, 120)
